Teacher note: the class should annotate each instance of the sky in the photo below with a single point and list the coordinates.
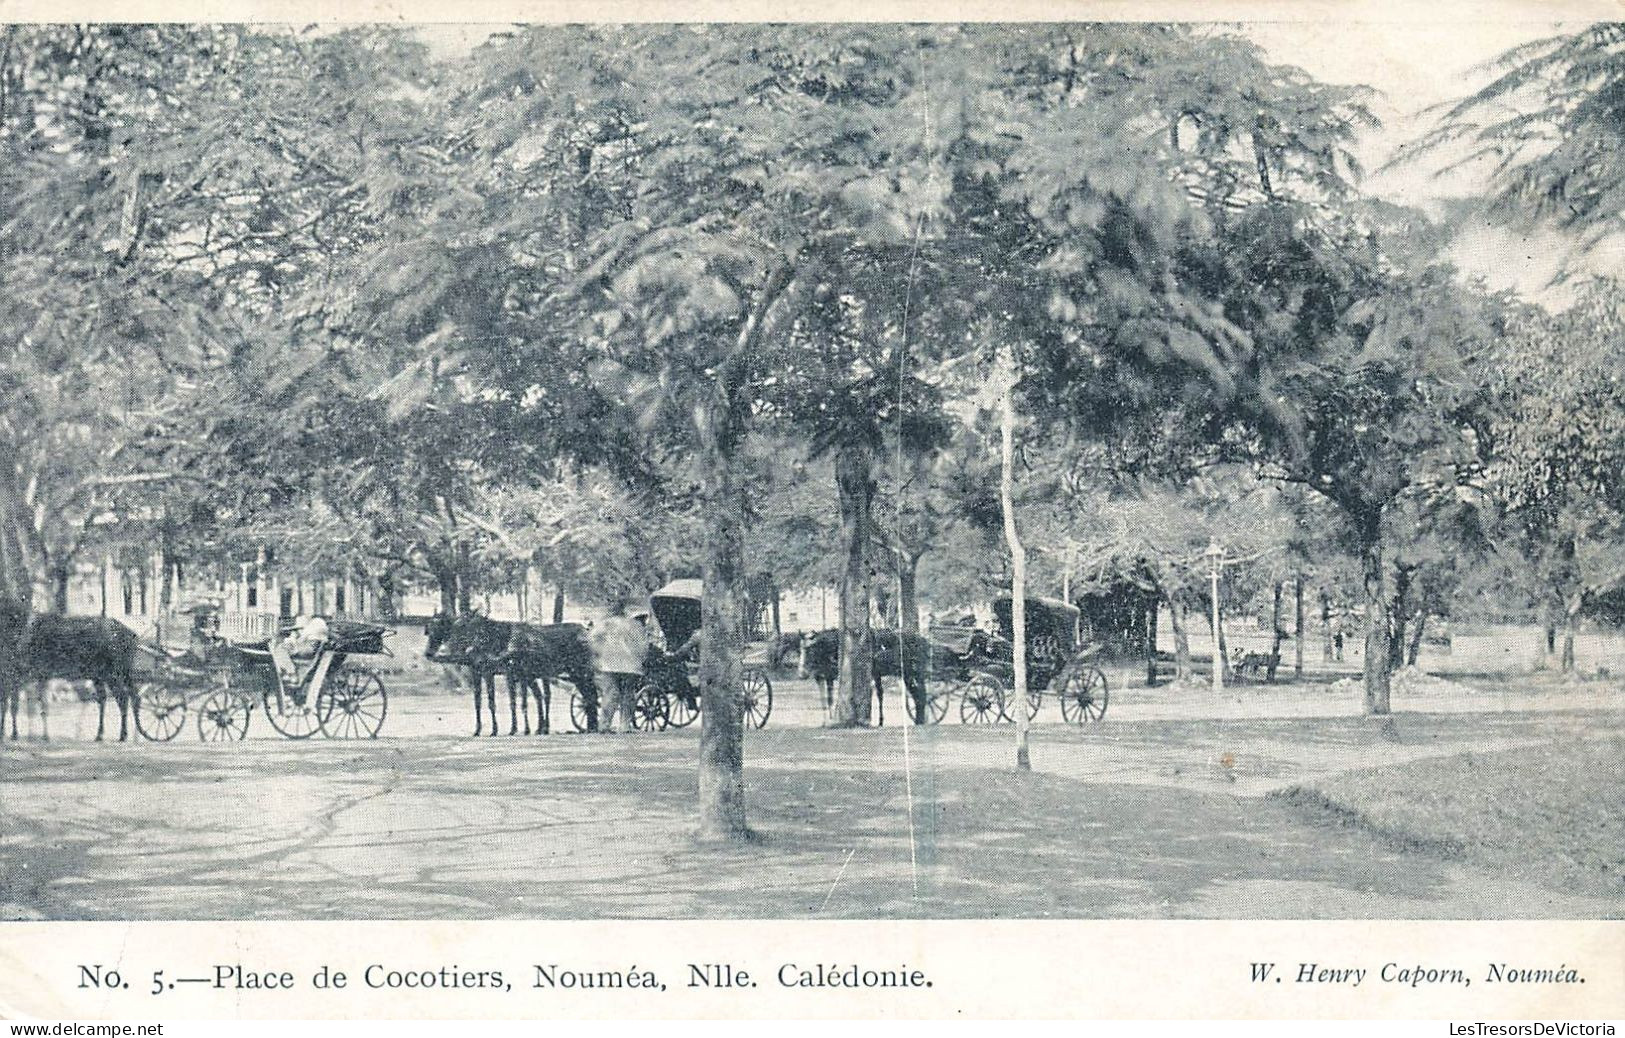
(1415, 65)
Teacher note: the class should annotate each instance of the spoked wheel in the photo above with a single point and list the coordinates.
(578, 710)
(292, 714)
(160, 711)
(1083, 695)
(758, 697)
(649, 708)
(223, 715)
(936, 703)
(682, 707)
(352, 704)
(1035, 699)
(981, 700)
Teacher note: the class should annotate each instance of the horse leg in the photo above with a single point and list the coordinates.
(479, 719)
(880, 699)
(101, 708)
(513, 705)
(544, 707)
(489, 680)
(123, 693)
(526, 694)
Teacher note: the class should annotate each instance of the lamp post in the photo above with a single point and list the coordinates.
(1215, 559)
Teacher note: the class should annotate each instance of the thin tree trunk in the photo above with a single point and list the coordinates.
(1571, 627)
(907, 595)
(1151, 610)
(722, 730)
(1377, 659)
(1418, 624)
(1275, 637)
(558, 605)
(60, 574)
(1018, 557)
(1396, 617)
(1325, 627)
(854, 486)
(1297, 630)
(445, 577)
(1182, 641)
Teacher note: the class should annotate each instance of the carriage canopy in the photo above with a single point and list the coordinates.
(676, 608)
(1045, 616)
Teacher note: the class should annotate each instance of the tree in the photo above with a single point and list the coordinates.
(1548, 129)
(1557, 444)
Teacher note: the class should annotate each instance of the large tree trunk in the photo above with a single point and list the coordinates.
(722, 728)
(558, 605)
(1182, 640)
(1018, 558)
(854, 485)
(1377, 659)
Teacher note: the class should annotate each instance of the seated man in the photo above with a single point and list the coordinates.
(308, 635)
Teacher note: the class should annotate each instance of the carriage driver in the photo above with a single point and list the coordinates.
(309, 634)
(619, 643)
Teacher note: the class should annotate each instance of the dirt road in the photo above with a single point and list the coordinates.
(1131, 818)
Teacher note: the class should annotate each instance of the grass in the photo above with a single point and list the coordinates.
(1551, 814)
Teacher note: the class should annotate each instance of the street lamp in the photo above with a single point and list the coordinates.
(1215, 560)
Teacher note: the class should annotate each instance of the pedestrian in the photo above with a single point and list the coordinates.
(1337, 644)
(619, 643)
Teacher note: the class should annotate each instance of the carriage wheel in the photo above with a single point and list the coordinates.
(981, 700)
(682, 706)
(352, 704)
(649, 709)
(1083, 695)
(160, 711)
(1035, 699)
(223, 716)
(578, 710)
(936, 702)
(758, 697)
(292, 714)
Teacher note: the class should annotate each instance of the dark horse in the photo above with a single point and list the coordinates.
(892, 654)
(481, 645)
(528, 656)
(538, 653)
(72, 648)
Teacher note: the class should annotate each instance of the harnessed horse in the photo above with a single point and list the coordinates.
(72, 648)
(892, 654)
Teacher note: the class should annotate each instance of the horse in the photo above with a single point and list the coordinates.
(892, 654)
(71, 648)
(481, 645)
(538, 653)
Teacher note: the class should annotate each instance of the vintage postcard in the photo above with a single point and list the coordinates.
(1072, 511)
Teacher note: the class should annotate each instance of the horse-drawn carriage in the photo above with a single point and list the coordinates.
(670, 694)
(223, 683)
(1057, 664)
